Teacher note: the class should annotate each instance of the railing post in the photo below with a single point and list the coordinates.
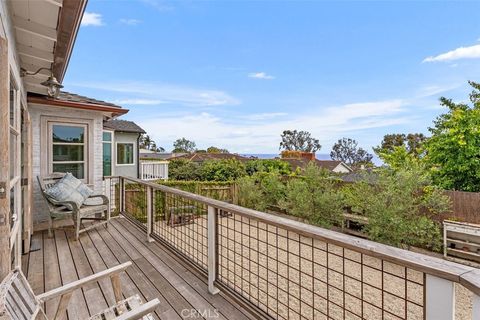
(149, 214)
(212, 249)
(440, 299)
(122, 194)
(476, 307)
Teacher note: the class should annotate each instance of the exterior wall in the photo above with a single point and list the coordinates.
(341, 168)
(10, 72)
(124, 169)
(39, 114)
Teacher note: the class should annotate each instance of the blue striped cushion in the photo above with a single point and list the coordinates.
(69, 188)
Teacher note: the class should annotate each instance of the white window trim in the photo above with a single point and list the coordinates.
(85, 144)
(134, 155)
(45, 144)
(113, 151)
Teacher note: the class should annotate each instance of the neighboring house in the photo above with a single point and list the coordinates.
(153, 155)
(121, 148)
(203, 156)
(331, 165)
(298, 159)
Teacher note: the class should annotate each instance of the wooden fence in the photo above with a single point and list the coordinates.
(465, 206)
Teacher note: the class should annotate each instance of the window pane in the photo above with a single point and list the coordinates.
(107, 136)
(12, 105)
(67, 153)
(107, 159)
(12, 206)
(77, 169)
(13, 161)
(68, 134)
(124, 153)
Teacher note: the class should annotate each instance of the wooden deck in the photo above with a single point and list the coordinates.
(156, 273)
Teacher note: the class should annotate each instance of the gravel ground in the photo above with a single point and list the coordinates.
(292, 276)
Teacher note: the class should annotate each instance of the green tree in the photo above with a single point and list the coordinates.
(347, 151)
(412, 142)
(154, 147)
(453, 151)
(183, 145)
(293, 140)
(213, 149)
(222, 170)
(399, 158)
(145, 141)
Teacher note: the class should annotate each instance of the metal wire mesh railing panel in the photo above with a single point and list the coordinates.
(111, 189)
(182, 224)
(290, 270)
(290, 276)
(135, 202)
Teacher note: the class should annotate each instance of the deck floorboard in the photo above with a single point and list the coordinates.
(156, 273)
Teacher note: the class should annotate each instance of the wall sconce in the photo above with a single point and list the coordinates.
(52, 84)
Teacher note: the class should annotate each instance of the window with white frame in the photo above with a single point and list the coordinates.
(125, 153)
(107, 153)
(68, 148)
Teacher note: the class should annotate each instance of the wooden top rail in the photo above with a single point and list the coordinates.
(467, 276)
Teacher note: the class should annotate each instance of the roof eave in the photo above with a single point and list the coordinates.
(68, 25)
(115, 111)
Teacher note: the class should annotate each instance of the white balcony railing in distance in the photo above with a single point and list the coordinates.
(154, 170)
(284, 269)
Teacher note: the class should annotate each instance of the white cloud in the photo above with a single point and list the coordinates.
(138, 101)
(260, 75)
(435, 90)
(456, 54)
(130, 22)
(159, 5)
(92, 19)
(264, 116)
(148, 93)
(328, 124)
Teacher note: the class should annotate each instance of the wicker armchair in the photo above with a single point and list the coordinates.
(91, 210)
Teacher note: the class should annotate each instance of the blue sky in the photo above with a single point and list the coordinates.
(235, 74)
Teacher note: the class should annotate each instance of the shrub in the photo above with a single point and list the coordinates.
(260, 191)
(219, 190)
(269, 166)
(314, 197)
(399, 206)
(222, 170)
(250, 194)
(183, 169)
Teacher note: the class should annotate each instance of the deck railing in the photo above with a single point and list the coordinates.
(154, 170)
(291, 270)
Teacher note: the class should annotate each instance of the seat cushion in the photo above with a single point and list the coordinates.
(86, 211)
(71, 189)
(95, 201)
